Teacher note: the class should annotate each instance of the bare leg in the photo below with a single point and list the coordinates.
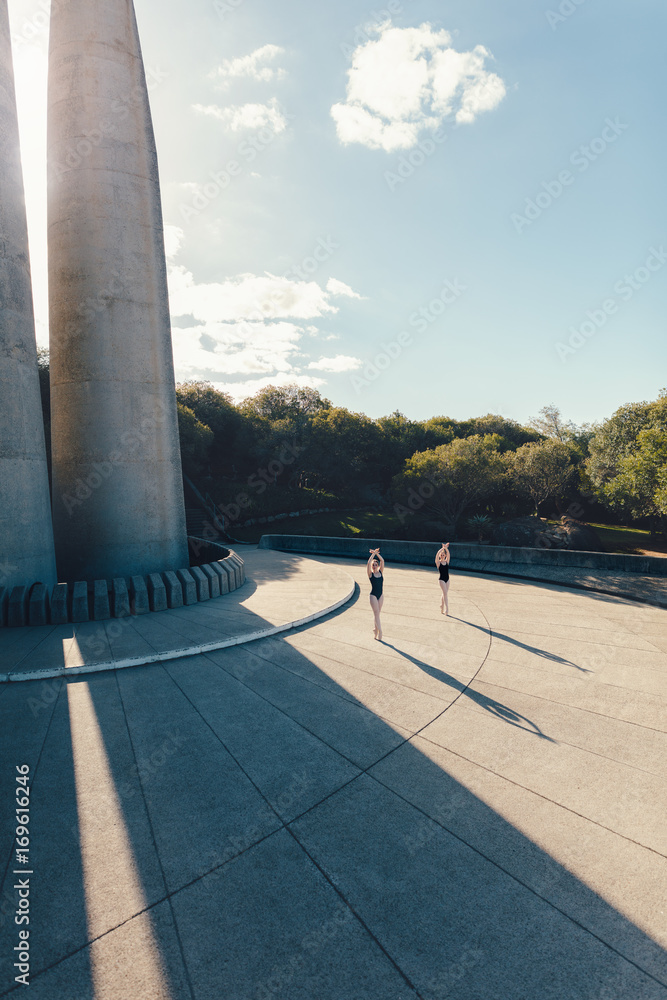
(377, 607)
(444, 603)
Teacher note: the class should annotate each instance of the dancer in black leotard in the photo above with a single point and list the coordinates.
(375, 568)
(442, 562)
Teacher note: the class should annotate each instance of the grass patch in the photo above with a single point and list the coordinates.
(618, 538)
(337, 524)
(633, 541)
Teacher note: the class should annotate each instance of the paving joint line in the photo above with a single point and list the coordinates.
(574, 708)
(37, 645)
(282, 711)
(286, 826)
(545, 798)
(525, 885)
(356, 915)
(361, 670)
(566, 743)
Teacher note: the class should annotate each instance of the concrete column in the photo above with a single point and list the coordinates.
(26, 537)
(117, 489)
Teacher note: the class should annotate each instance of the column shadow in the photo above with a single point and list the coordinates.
(263, 802)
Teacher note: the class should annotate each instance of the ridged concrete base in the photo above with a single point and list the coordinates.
(100, 600)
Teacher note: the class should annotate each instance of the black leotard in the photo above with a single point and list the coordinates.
(376, 585)
(444, 571)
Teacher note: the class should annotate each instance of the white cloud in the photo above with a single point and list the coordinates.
(253, 66)
(249, 325)
(246, 297)
(410, 79)
(241, 390)
(341, 363)
(247, 116)
(336, 287)
(216, 350)
(173, 241)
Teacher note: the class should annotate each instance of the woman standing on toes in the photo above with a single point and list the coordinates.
(442, 562)
(374, 568)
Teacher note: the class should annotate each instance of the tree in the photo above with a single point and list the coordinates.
(196, 440)
(640, 486)
(44, 372)
(451, 478)
(618, 438)
(397, 439)
(285, 402)
(437, 431)
(342, 449)
(550, 424)
(512, 435)
(214, 410)
(542, 469)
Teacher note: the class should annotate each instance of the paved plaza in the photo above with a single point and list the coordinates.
(472, 809)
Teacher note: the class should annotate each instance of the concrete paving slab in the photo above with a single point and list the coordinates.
(125, 641)
(619, 797)
(287, 933)
(15, 643)
(283, 590)
(54, 843)
(268, 744)
(415, 667)
(606, 883)
(613, 739)
(336, 718)
(583, 690)
(89, 645)
(460, 913)
(141, 958)
(408, 709)
(51, 648)
(198, 822)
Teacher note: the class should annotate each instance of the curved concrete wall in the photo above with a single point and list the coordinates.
(472, 557)
(99, 600)
(117, 489)
(26, 537)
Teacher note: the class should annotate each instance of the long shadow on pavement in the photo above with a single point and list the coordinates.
(244, 832)
(488, 704)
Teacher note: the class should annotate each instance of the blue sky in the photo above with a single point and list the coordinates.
(318, 232)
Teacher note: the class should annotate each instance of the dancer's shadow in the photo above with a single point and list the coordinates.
(488, 704)
(523, 645)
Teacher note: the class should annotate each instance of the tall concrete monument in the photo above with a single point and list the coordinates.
(26, 537)
(117, 488)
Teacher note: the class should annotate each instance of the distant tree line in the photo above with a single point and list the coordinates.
(446, 469)
(288, 447)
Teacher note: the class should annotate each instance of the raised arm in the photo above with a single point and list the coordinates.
(442, 555)
(375, 554)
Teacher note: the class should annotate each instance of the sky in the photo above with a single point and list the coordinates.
(443, 208)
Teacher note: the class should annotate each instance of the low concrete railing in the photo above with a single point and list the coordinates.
(472, 557)
(99, 600)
